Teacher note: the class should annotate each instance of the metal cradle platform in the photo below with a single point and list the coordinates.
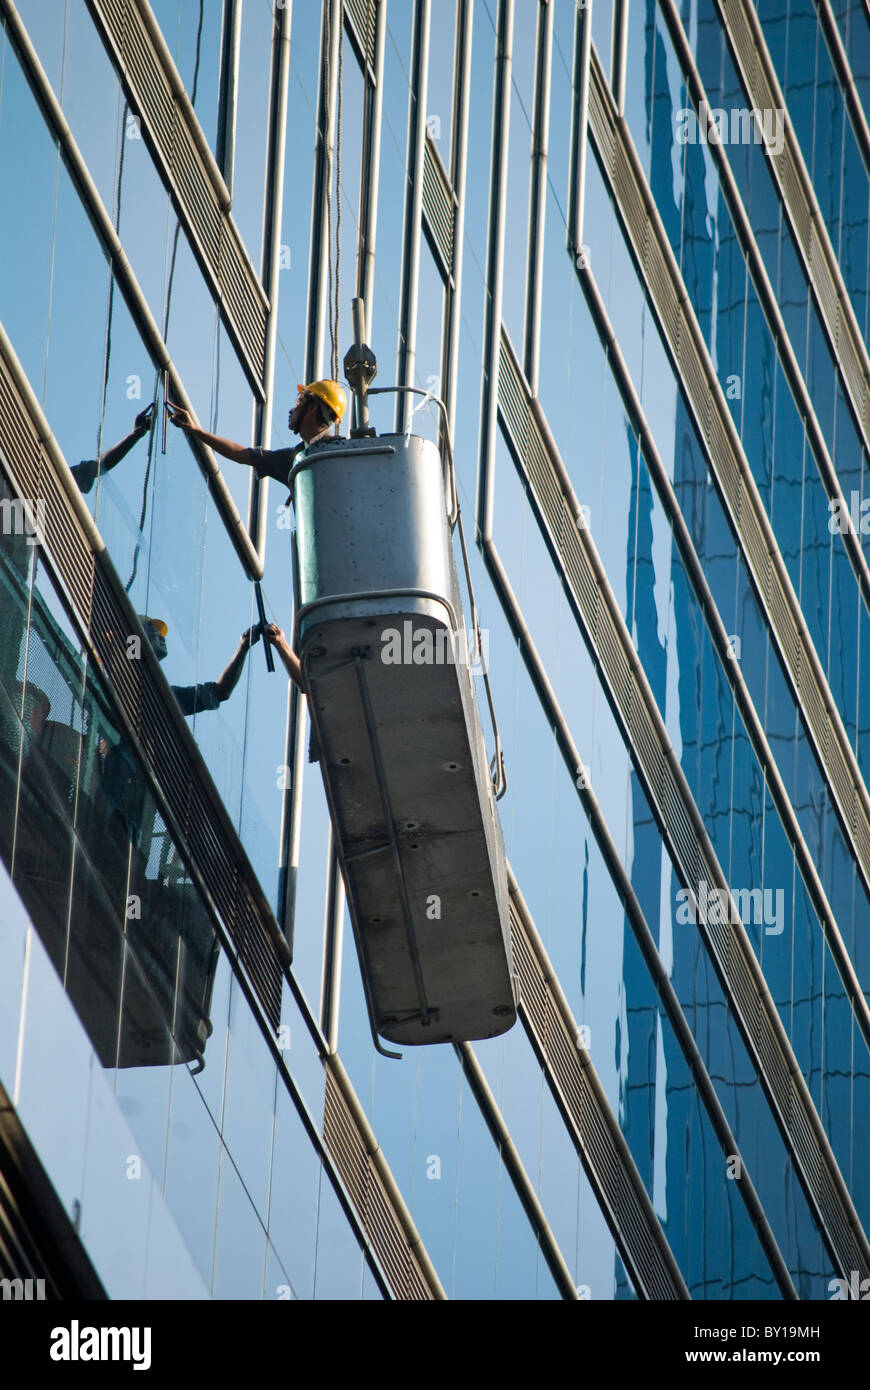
(396, 727)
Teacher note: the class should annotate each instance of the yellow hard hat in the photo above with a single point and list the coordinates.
(157, 623)
(330, 393)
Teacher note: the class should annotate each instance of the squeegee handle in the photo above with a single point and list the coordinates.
(165, 411)
(270, 661)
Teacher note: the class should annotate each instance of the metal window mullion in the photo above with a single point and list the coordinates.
(276, 144)
(538, 191)
(495, 265)
(413, 209)
(324, 155)
(495, 1123)
(333, 932)
(579, 126)
(231, 38)
(458, 169)
(371, 164)
(619, 53)
(318, 308)
(291, 812)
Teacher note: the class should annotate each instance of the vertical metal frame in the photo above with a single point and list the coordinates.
(619, 53)
(333, 934)
(330, 34)
(276, 144)
(324, 159)
(458, 166)
(413, 211)
(579, 126)
(333, 927)
(371, 168)
(538, 191)
(494, 265)
(231, 39)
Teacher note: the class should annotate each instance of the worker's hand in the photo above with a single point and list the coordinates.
(142, 423)
(250, 638)
(180, 417)
(275, 634)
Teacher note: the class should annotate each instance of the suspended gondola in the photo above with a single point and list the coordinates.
(387, 662)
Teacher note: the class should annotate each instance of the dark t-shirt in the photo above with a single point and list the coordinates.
(85, 473)
(277, 463)
(274, 463)
(193, 698)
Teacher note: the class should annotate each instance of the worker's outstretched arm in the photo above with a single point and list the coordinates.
(229, 450)
(86, 472)
(229, 679)
(286, 653)
(141, 425)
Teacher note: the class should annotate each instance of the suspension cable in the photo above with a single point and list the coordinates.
(333, 349)
(335, 336)
(333, 291)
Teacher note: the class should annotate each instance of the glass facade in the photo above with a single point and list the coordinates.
(143, 189)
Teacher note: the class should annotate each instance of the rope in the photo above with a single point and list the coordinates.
(333, 353)
(333, 291)
(338, 189)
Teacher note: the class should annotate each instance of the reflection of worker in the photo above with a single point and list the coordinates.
(122, 782)
(208, 694)
(40, 709)
(318, 408)
(85, 473)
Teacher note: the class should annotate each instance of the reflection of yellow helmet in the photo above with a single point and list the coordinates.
(330, 393)
(157, 623)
